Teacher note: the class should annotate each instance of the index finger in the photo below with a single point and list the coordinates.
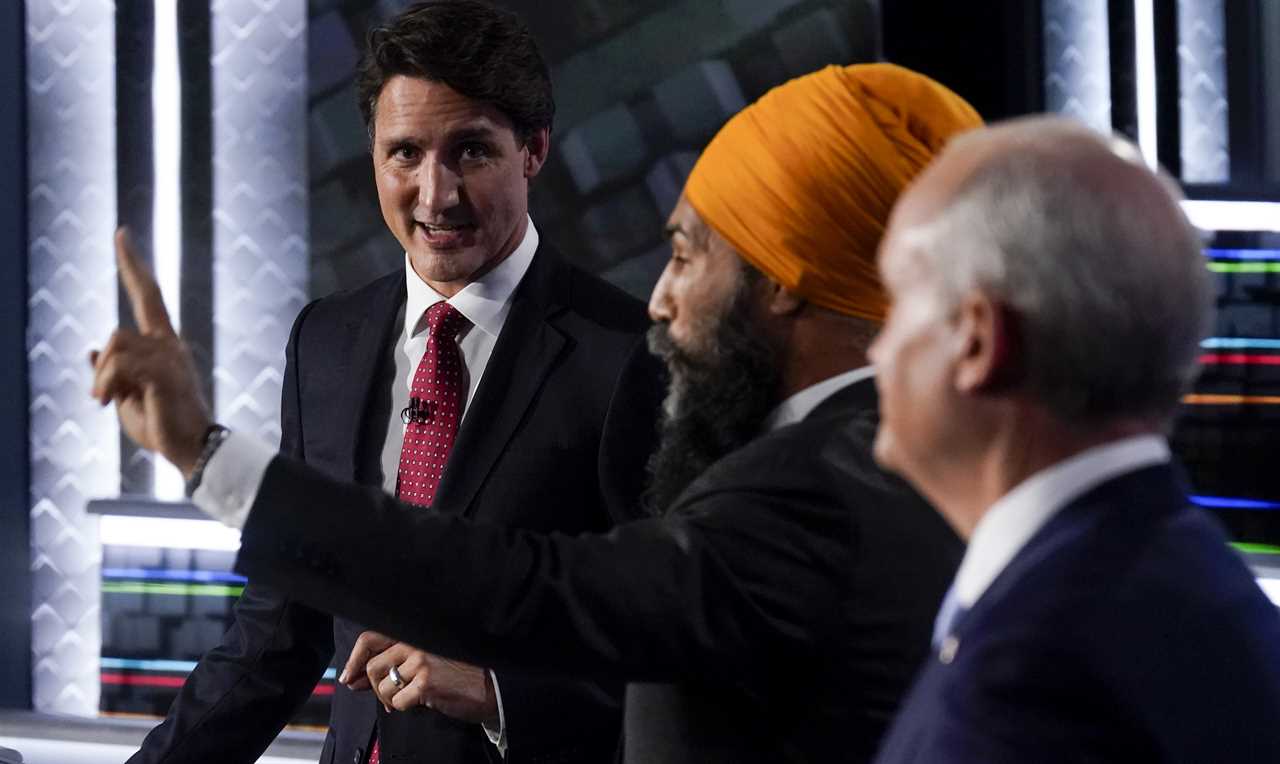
(144, 294)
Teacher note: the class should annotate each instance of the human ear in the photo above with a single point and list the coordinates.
(780, 300)
(538, 146)
(986, 343)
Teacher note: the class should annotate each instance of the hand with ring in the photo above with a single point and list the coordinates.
(404, 677)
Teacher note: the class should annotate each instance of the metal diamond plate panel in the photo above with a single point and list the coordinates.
(259, 74)
(74, 443)
(1202, 91)
(1077, 61)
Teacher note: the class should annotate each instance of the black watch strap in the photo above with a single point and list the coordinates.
(213, 438)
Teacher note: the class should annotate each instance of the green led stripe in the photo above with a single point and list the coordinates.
(1244, 267)
(196, 590)
(1256, 548)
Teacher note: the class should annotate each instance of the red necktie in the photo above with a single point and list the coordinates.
(431, 418)
(435, 408)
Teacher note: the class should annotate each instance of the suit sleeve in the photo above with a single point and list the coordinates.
(704, 596)
(553, 717)
(246, 689)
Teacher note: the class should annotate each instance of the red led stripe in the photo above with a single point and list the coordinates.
(1241, 358)
(145, 680)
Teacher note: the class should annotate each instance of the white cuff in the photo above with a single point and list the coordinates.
(499, 737)
(232, 479)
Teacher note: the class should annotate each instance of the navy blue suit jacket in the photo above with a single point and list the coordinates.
(1126, 630)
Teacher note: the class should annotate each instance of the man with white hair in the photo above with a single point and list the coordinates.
(1048, 298)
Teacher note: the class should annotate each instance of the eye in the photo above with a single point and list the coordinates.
(474, 151)
(405, 152)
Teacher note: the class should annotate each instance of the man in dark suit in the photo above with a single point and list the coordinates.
(1049, 298)
(537, 357)
(778, 607)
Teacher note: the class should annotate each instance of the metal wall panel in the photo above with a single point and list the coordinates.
(1077, 61)
(72, 305)
(1202, 88)
(259, 76)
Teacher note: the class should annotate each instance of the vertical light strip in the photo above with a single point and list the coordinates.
(1144, 55)
(1077, 61)
(166, 116)
(71, 212)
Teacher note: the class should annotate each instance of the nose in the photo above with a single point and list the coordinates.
(661, 306)
(439, 187)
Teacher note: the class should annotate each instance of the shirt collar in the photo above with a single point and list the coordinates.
(800, 405)
(484, 302)
(1015, 517)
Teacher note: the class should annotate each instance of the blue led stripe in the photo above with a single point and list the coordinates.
(1242, 254)
(1241, 343)
(197, 576)
(1221, 502)
(147, 665)
(164, 665)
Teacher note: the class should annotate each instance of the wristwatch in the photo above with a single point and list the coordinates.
(213, 438)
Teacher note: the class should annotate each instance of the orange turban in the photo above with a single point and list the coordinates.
(801, 182)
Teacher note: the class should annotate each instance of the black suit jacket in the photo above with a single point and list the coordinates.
(555, 440)
(1125, 630)
(777, 613)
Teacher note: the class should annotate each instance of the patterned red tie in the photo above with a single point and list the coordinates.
(431, 418)
(435, 408)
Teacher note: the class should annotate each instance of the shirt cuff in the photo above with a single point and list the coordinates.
(497, 737)
(232, 478)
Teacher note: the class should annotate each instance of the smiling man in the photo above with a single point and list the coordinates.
(484, 379)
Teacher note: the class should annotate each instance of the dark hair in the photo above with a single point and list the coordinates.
(483, 52)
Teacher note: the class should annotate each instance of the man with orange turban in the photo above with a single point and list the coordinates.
(779, 602)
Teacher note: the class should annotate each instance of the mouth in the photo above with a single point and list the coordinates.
(444, 236)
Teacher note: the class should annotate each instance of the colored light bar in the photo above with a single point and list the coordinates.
(189, 590)
(1245, 359)
(143, 680)
(1215, 215)
(136, 664)
(1242, 254)
(1250, 267)
(167, 533)
(198, 576)
(1252, 548)
(1211, 399)
(151, 680)
(1241, 343)
(1224, 502)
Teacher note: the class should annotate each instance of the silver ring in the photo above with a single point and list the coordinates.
(395, 677)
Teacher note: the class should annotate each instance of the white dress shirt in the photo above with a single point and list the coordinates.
(234, 474)
(799, 405)
(1015, 517)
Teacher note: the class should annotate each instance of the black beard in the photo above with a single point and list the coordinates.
(717, 399)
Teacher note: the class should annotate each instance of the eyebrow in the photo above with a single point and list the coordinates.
(671, 229)
(473, 132)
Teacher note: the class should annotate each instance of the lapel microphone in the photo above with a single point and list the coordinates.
(419, 411)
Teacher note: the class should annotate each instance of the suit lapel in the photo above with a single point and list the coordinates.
(1111, 518)
(522, 357)
(367, 338)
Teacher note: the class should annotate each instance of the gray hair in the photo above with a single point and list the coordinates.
(1094, 256)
